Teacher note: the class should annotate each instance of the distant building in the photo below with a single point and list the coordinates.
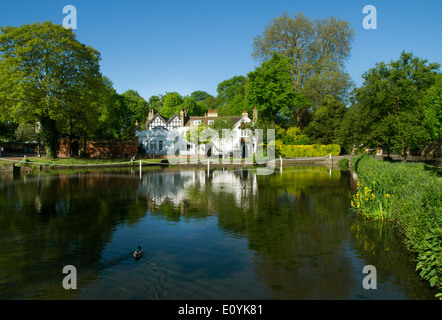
(159, 133)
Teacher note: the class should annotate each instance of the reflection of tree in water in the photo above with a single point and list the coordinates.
(295, 223)
(290, 221)
(299, 243)
(53, 221)
(382, 246)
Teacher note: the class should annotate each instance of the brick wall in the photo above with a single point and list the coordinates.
(102, 148)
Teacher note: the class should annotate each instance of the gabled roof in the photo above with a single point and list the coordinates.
(165, 119)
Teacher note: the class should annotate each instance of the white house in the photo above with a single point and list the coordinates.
(161, 133)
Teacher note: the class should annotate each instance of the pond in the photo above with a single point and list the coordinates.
(205, 234)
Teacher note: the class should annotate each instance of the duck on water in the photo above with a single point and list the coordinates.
(138, 253)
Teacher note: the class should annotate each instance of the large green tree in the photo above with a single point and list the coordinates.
(45, 73)
(270, 90)
(137, 105)
(232, 96)
(326, 121)
(116, 119)
(172, 104)
(390, 105)
(318, 48)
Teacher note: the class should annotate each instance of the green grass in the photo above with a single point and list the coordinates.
(409, 195)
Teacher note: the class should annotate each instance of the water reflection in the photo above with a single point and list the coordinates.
(209, 234)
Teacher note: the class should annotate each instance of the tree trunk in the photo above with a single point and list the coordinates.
(50, 136)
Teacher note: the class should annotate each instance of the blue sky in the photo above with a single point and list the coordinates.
(182, 45)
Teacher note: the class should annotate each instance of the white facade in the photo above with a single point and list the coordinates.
(161, 133)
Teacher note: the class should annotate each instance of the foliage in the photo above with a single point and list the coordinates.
(171, 105)
(116, 119)
(326, 121)
(343, 163)
(291, 136)
(136, 105)
(271, 91)
(388, 109)
(232, 96)
(318, 50)
(290, 151)
(25, 132)
(46, 75)
(409, 195)
(432, 117)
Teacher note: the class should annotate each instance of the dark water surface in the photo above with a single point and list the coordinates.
(230, 234)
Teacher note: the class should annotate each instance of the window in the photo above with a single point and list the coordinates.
(211, 121)
(160, 145)
(153, 146)
(197, 122)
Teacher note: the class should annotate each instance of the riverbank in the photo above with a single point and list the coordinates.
(408, 195)
(34, 163)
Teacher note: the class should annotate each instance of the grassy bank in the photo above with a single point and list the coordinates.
(409, 195)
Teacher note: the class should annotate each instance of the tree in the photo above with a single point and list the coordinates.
(44, 70)
(190, 105)
(200, 95)
(137, 105)
(172, 104)
(116, 119)
(389, 103)
(204, 101)
(318, 49)
(432, 117)
(26, 132)
(232, 96)
(270, 90)
(326, 121)
(155, 103)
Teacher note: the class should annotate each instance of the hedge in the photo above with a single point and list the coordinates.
(291, 151)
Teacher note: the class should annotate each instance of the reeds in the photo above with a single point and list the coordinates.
(409, 195)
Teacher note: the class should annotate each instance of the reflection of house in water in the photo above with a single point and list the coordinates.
(173, 187)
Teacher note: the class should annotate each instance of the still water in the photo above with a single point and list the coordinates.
(223, 234)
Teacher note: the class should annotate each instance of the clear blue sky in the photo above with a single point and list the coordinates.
(183, 45)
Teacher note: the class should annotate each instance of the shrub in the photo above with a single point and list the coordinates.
(291, 151)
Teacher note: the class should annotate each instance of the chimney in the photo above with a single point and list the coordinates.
(182, 115)
(150, 117)
(255, 115)
(212, 113)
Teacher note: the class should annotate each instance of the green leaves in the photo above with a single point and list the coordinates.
(388, 107)
(318, 49)
(46, 75)
(270, 89)
(413, 202)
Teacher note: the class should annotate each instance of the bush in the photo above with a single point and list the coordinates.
(409, 195)
(343, 163)
(292, 151)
